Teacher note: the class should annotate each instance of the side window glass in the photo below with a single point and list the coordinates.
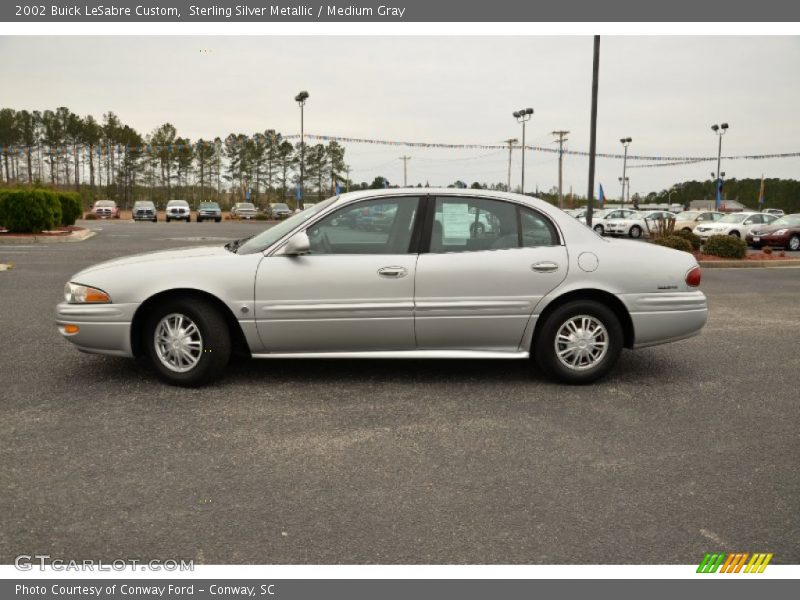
(381, 226)
(537, 230)
(473, 224)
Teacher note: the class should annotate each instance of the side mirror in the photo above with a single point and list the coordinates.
(298, 244)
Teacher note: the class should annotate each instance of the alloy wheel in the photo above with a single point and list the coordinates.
(581, 342)
(178, 342)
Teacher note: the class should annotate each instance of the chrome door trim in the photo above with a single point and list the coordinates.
(477, 354)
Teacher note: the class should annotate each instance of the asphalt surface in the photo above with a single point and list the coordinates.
(684, 449)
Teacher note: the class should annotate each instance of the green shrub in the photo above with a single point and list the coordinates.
(676, 242)
(71, 207)
(30, 211)
(695, 240)
(261, 217)
(725, 246)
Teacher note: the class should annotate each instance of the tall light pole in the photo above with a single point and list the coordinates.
(625, 142)
(405, 160)
(510, 143)
(561, 139)
(301, 100)
(719, 130)
(523, 116)
(593, 129)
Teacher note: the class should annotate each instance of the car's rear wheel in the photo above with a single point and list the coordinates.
(794, 242)
(188, 341)
(635, 232)
(579, 342)
(735, 234)
(686, 230)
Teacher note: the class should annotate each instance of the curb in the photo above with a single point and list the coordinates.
(749, 264)
(75, 236)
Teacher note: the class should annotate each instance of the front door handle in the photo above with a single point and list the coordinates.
(544, 267)
(393, 272)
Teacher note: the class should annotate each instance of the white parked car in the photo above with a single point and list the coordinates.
(637, 224)
(736, 224)
(427, 285)
(243, 210)
(601, 222)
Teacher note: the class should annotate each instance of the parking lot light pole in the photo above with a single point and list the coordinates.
(523, 116)
(719, 131)
(301, 100)
(625, 142)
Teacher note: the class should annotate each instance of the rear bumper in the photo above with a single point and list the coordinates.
(103, 328)
(659, 318)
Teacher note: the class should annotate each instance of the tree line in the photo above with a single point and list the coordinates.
(108, 158)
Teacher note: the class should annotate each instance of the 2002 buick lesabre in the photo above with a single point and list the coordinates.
(529, 282)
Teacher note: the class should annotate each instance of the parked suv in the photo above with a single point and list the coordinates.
(106, 209)
(178, 210)
(209, 211)
(144, 210)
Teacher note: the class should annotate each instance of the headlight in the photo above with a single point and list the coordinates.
(780, 232)
(82, 294)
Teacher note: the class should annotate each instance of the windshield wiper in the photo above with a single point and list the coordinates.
(233, 245)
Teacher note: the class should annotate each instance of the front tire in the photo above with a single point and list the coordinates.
(794, 243)
(188, 341)
(579, 342)
(600, 229)
(635, 232)
(735, 234)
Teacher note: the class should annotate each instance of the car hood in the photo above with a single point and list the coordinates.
(771, 228)
(151, 257)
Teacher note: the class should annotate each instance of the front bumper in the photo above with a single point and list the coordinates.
(659, 318)
(767, 240)
(103, 328)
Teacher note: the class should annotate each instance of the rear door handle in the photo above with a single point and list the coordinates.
(393, 272)
(544, 267)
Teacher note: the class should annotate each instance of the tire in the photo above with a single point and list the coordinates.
(199, 220)
(599, 229)
(686, 230)
(155, 220)
(544, 344)
(210, 356)
(794, 243)
(167, 219)
(188, 219)
(635, 232)
(735, 234)
(218, 220)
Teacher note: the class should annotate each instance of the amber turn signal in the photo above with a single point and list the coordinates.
(71, 329)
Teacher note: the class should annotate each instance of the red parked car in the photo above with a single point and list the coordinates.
(106, 209)
(783, 232)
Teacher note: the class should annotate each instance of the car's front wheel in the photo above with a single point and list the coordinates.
(635, 232)
(794, 242)
(600, 229)
(735, 234)
(579, 342)
(188, 341)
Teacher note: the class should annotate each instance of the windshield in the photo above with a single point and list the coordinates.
(209, 205)
(245, 205)
(143, 204)
(686, 216)
(273, 234)
(734, 218)
(105, 203)
(791, 220)
(177, 203)
(280, 206)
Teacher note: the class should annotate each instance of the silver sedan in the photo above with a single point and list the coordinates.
(424, 282)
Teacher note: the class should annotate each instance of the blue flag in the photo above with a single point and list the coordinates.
(338, 189)
(297, 193)
(601, 197)
(719, 192)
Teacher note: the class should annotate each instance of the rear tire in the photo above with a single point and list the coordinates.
(567, 351)
(794, 243)
(202, 339)
(635, 232)
(735, 234)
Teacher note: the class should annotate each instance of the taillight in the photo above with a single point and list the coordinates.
(693, 277)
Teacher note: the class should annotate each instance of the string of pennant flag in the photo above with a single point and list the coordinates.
(106, 149)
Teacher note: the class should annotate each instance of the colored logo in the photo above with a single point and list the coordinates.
(734, 563)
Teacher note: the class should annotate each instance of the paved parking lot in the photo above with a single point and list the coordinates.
(685, 448)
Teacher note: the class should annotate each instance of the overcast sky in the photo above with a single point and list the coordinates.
(664, 92)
